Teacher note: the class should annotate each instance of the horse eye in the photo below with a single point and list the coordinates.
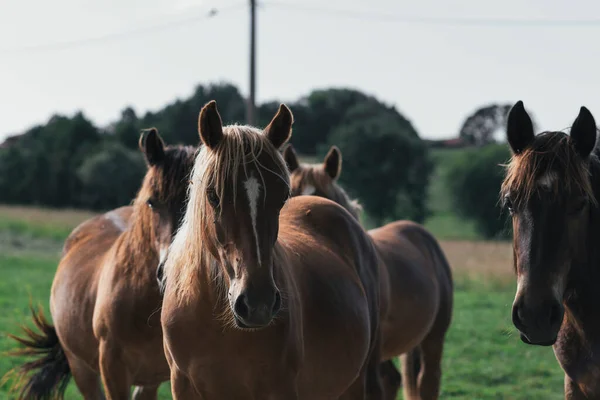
(213, 198)
(578, 207)
(150, 203)
(508, 204)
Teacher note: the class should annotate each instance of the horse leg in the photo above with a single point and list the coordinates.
(115, 377)
(145, 392)
(86, 379)
(358, 389)
(181, 387)
(431, 372)
(391, 380)
(288, 390)
(368, 384)
(572, 390)
(411, 367)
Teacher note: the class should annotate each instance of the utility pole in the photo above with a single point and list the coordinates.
(251, 108)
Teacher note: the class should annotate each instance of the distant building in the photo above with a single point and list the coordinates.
(449, 143)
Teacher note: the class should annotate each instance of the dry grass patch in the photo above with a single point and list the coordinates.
(65, 218)
(490, 261)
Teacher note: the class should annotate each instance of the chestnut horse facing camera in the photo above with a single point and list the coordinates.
(265, 297)
(416, 278)
(105, 299)
(551, 189)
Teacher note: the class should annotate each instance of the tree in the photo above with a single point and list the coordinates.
(479, 128)
(178, 121)
(111, 177)
(127, 129)
(386, 166)
(68, 161)
(474, 183)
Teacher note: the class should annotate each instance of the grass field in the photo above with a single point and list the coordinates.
(483, 359)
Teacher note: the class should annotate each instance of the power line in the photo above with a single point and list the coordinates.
(381, 17)
(120, 35)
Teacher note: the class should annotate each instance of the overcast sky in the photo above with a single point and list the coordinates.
(435, 74)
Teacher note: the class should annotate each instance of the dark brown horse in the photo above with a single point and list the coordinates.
(267, 298)
(105, 299)
(416, 277)
(551, 190)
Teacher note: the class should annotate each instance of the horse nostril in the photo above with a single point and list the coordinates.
(241, 306)
(516, 317)
(555, 314)
(276, 304)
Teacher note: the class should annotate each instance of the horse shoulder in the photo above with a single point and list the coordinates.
(127, 290)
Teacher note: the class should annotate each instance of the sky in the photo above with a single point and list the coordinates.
(436, 74)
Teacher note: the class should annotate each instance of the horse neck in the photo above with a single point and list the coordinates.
(583, 297)
(135, 247)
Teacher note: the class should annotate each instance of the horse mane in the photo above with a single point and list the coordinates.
(550, 152)
(169, 181)
(194, 247)
(314, 174)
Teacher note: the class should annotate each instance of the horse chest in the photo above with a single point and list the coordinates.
(580, 359)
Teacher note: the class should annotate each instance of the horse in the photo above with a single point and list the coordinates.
(105, 296)
(551, 190)
(266, 297)
(417, 278)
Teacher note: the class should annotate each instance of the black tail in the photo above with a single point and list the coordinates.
(47, 376)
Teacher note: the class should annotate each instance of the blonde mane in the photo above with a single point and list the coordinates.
(194, 250)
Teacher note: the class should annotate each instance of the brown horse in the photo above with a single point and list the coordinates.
(551, 189)
(267, 298)
(105, 297)
(416, 277)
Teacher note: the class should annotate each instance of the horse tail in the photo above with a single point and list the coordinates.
(48, 375)
(411, 367)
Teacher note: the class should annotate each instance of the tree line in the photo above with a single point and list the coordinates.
(70, 162)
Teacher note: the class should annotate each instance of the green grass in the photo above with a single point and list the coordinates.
(483, 359)
(443, 222)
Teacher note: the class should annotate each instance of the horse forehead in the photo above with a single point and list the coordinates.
(547, 179)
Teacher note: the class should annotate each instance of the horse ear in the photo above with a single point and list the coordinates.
(210, 125)
(152, 146)
(291, 159)
(519, 128)
(279, 130)
(583, 132)
(333, 162)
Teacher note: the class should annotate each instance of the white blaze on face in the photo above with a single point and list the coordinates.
(308, 190)
(253, 192)
(547, 180)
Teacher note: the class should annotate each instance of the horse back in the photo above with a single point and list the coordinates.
(332, 229)
(416, 266)
(108, 225)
